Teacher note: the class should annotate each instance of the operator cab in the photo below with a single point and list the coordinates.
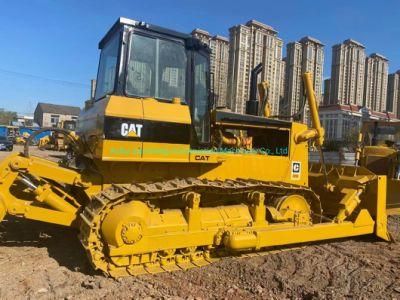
(153, 93)
(141, 60)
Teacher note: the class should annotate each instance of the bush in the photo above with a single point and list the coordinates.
(7, 116)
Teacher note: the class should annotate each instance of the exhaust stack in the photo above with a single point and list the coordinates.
(252, 103)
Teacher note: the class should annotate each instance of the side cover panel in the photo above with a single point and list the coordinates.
(145, 130)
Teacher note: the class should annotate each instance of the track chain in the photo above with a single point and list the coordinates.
(95, 212)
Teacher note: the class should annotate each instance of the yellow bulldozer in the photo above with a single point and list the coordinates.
(379, 151)
(21, 139)
(57, 140)
(163, 180)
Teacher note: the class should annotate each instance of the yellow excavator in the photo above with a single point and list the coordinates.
(379, 151)
(157, 182)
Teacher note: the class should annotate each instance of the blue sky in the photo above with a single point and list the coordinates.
(48, 48)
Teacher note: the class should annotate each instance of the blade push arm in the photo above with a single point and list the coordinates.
(317, 132)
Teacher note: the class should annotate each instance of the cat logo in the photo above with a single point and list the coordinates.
(131, 129)
(296, 170)
(201, 157)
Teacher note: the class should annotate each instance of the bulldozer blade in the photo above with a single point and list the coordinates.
(3, 210)
(373, 191)
(393, 197)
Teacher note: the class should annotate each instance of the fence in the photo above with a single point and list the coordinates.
(337, 158)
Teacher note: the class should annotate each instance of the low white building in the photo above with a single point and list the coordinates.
(341, 120)
(49, 115)
(24, 121)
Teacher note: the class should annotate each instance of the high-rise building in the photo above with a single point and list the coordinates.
(202, 35)
(376, 81)
(306, 55)
(393, 95)
(250, 45)
(293, 83)
(282, 97)
(327, 91)
(348, 73)
(218, 63)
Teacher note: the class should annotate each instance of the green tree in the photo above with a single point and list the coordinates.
(350, 138)
(332, 145)
(7, 116)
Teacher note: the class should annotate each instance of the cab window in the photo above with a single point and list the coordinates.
(156, 68)
(200, 111)
(107, 68)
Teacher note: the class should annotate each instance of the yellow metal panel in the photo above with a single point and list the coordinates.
(379, 151)
(163, 152)
(165, 111)
(50, 216)
(223, 166)
(209, 164)
(257, 166)
(393, 196)
(124, 107)
(207, 157)
(166, 241)
(171, 220)
(305, 234)
(271, 235)
(136, 151)
(211, 217)
(381, 217)
(121, 150)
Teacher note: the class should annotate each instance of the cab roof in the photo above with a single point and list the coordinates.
(121, 22)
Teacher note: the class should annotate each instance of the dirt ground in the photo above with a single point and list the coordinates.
(39, 261)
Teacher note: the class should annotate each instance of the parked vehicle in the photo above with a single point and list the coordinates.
(6, 144)
(8, 131)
